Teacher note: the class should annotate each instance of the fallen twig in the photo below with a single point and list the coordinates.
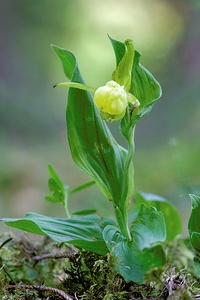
(43, 288)
(53, 255)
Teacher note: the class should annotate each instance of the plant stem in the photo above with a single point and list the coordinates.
(122, 220)
(66, 205)
(128, 162)
(121, 212)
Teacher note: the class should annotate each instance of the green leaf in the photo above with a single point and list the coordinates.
(56, 187)
(169, 212)
(75, 85)
(82, 187)
(122, 74)
(196, 261)
(149, 227)
(194, 223)
(84, 232)
(143, 85)
(68, 60)
(93, 147)
(194, 231)
(84, 212)
(135, 258)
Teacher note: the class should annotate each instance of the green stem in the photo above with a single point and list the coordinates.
(66, 205)
(122, 220)
(128, 162)
(121, 212)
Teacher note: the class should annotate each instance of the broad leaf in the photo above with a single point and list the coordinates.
(149, 227)
(84, 232)
(169, 212)
(135, 258)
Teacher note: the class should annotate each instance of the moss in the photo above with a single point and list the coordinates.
(89, 276)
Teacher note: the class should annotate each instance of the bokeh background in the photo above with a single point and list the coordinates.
(32, 113)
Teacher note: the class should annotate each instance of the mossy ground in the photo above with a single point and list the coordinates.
(46, 270)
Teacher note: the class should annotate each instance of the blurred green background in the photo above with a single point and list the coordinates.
(32, 113)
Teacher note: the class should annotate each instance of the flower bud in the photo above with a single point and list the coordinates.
(111, 99)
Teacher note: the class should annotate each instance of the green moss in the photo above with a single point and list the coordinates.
(91, 276)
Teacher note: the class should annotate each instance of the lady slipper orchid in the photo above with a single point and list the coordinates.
(111, 98)
(112, 101)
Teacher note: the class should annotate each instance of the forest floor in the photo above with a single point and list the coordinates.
(42, 269)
